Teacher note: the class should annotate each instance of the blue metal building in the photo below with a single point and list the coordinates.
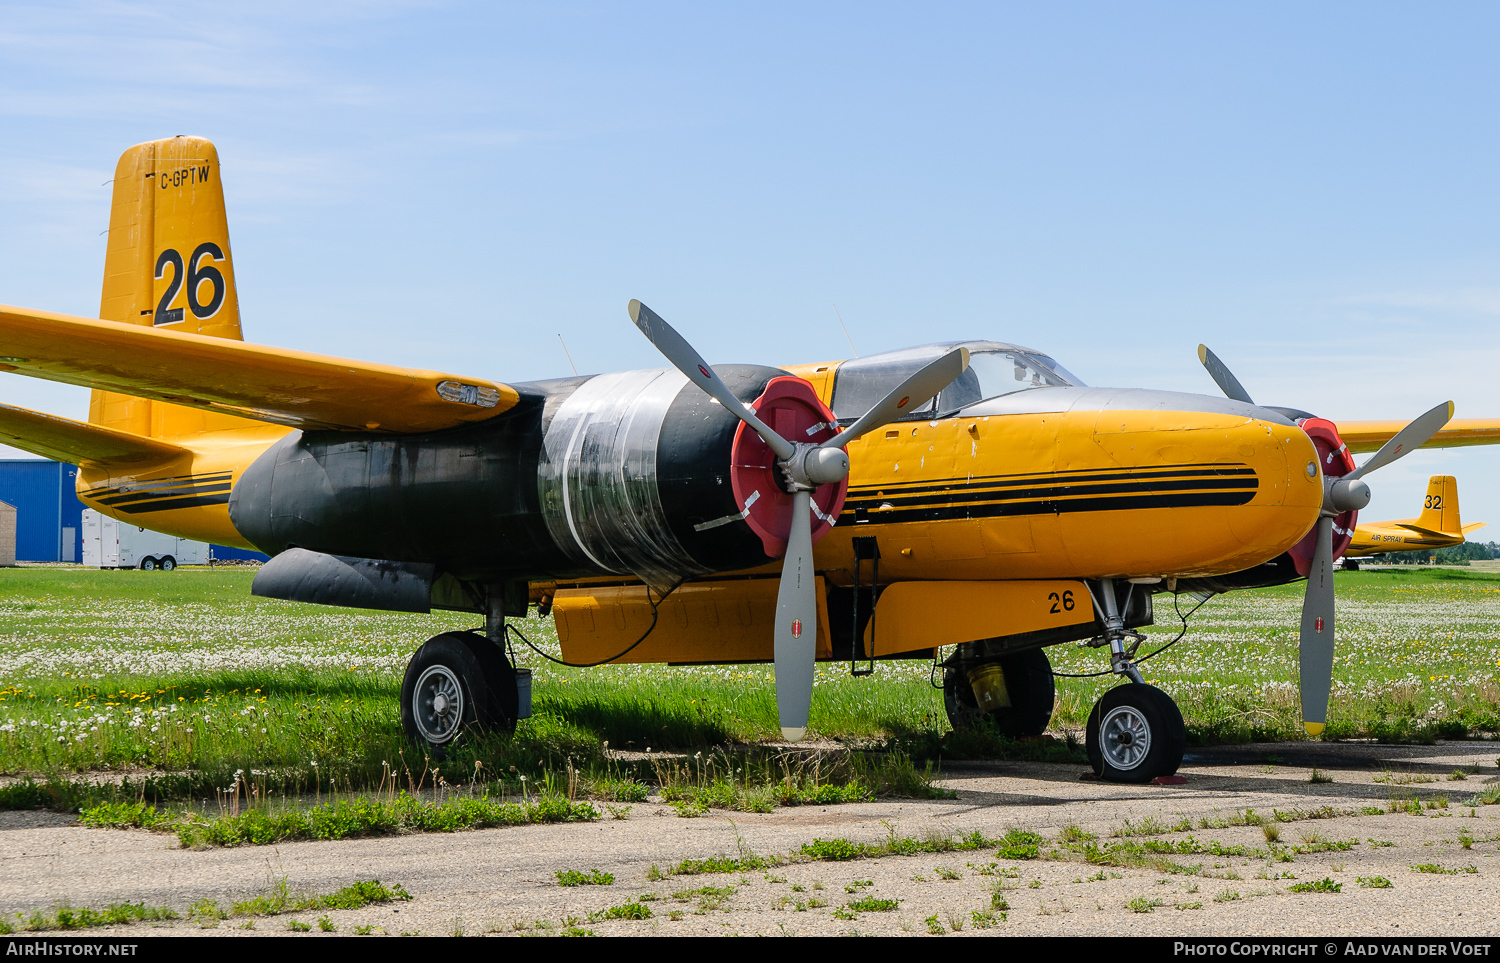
(49, 516)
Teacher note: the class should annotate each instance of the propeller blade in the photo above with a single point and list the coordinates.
(691, 363)
(1222, 376)
(907, 396)
(1408, 439)
(796, 624)
(1315, 645)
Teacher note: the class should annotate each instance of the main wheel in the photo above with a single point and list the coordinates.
(1135, 734)
(1028, 682)
(168, 563)
(455, 683)
(148, 564)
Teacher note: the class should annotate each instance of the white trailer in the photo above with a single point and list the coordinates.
(111, 543)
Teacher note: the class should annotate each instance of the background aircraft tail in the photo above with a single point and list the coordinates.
(1440, 507)
(168, 265)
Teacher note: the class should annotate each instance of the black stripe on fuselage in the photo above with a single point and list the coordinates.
(1047, 506)
(165, 494)
(1185, 486)
(157, 485)
(205, 488)
(167, 504)
(1060, 477)
(972, 497)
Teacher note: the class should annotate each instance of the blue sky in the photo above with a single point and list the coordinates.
(1310, 189)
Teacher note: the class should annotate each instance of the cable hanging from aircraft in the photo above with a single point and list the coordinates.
(1176, 607)
(512, 630)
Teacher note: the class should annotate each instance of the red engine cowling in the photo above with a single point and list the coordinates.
(1335, 460)
(790, 407)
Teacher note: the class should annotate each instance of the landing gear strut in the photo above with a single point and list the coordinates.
(1135, 732)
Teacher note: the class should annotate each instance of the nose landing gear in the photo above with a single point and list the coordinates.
(1135, 732)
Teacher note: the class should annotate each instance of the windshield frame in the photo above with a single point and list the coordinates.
(1054, 375)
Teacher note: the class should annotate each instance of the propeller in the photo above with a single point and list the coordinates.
(1222, 376)
(804, 467)
(1342, 493)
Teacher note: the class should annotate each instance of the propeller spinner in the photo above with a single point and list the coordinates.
(1344, 492)
(804, 467)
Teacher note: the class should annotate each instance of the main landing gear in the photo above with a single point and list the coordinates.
(1013, 694)
(459, 683)
(1135, 732)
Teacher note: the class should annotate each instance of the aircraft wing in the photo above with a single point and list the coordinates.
(63, 439)
(1363, 436)
(254, 381)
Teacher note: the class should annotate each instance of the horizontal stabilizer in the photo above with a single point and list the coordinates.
(1363, 436)
(1428, 532)
(1471, 526)
(64, 439)
(216, 374)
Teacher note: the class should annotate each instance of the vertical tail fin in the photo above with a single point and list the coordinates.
(1440, 508)
(167, 265)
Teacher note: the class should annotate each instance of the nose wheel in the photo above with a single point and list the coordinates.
(1135, 734)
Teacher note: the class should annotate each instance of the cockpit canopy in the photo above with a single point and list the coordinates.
(994, 369)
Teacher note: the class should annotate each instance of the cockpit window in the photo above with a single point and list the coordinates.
(994, 369)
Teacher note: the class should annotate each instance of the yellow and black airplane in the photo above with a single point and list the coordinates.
(1437, 527)
(972, 494)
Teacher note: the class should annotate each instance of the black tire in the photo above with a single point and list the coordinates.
(1351, 565)
(1125, 719)
(1028, 680)
(462, 669)
(168, 563)
(148, 564)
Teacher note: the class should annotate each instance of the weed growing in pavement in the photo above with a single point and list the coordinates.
(628, 910)
(1324, 885)
(1143, 905)
(78, 918)
(1374, 882)
(1316, 776)
(1435, 868)
(572, 877)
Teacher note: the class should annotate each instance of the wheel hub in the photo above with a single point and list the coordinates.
(438, 704)
(1124, 738)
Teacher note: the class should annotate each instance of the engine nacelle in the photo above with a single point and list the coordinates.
(624, 473)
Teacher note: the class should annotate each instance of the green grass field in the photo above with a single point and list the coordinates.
(186, 673)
